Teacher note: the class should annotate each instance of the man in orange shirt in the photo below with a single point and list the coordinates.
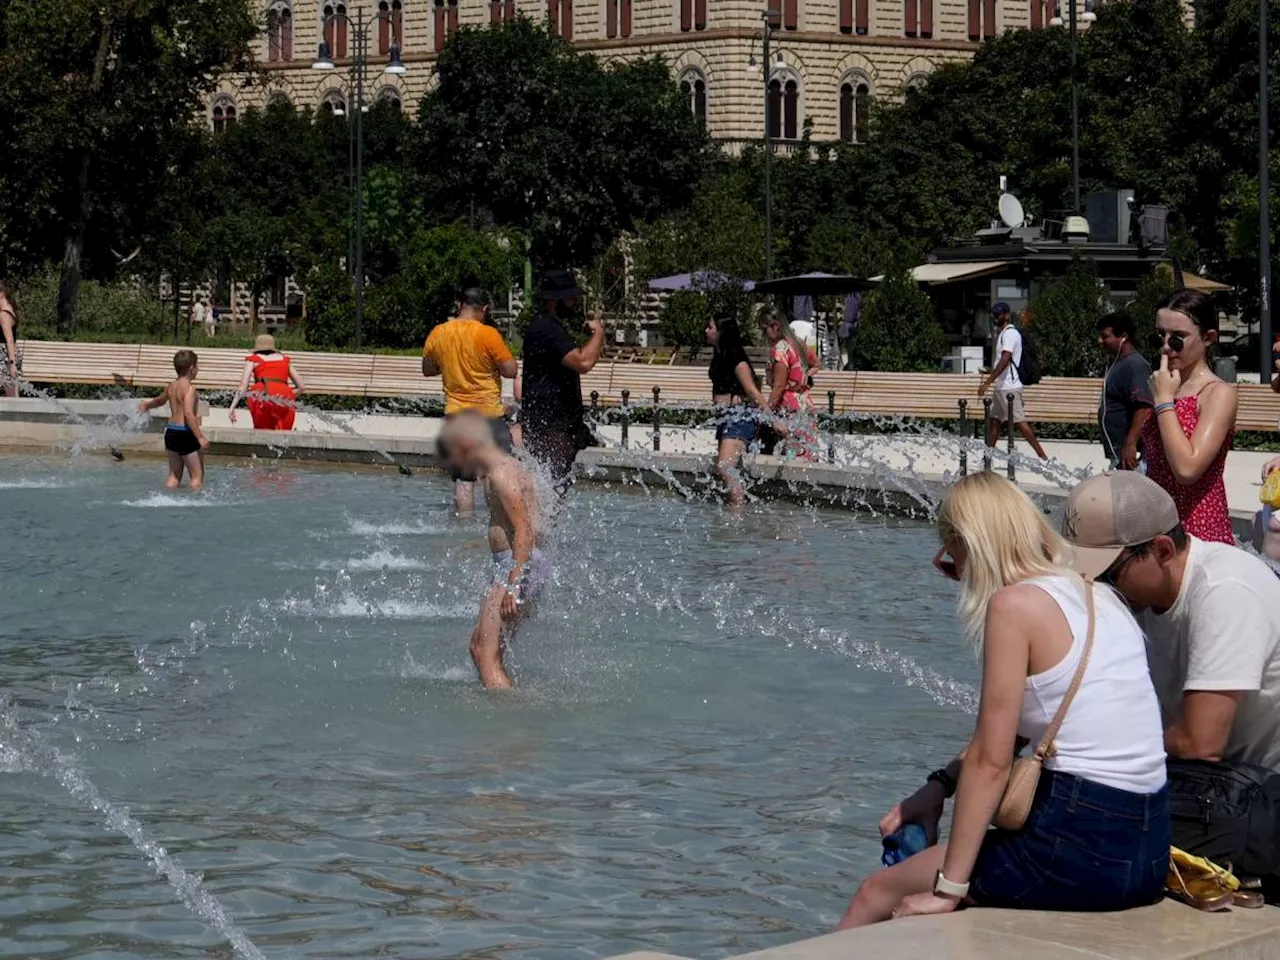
(469, 355)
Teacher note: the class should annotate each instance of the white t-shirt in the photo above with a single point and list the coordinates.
(1009, 341)
(1223, 633)
(1115, 695)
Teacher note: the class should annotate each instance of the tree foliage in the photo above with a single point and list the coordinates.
(526, 132)
(897, 328)
(1063, 319)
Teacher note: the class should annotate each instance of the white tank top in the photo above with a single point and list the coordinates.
(1112, 733)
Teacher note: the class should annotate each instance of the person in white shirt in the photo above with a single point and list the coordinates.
(1211, 613)
(1053, 646)
(1004, 375)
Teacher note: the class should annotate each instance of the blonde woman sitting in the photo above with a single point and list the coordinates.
(1097, 836)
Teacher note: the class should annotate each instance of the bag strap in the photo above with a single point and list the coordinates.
(1046, 747)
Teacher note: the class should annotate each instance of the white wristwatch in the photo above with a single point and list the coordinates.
(947, 888)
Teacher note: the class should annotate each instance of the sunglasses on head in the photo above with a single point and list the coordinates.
(1176, 341)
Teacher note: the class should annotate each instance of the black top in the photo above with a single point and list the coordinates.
(552, 397)
(724, 361)
(1125, 392)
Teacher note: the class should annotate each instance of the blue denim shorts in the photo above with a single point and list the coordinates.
(1085, 846)
(737, 423)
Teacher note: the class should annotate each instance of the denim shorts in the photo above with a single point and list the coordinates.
(1085, 847)
(736, 423)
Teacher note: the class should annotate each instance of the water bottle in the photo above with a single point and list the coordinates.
(906, 841)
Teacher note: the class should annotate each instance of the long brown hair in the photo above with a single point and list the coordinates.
(6, 291)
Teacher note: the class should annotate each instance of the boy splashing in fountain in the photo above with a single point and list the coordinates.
(184, 441)
(515, 531)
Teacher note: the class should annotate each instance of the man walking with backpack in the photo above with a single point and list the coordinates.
(1009, 373)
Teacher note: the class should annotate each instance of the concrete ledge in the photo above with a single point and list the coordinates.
(1166, 931)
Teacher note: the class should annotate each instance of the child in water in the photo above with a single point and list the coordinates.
(184, 441)
(515, 531)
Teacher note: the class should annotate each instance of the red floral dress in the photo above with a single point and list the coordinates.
(1202, 506)
(796, 405)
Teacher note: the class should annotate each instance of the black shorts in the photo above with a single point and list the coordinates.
(501, 436)
(181, 440)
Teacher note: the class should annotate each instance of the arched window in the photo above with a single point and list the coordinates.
(560, 15)
(390, 25)
(854, 16)
(279, 32)
(335, 28)
(446, 21)
(784, 108)
(855, 104)
(982, 19)
(223, 114)
(917, 18)
(693, 15)
(617, 18)
(502, 11)
(279, 100)
(694, 88)
(915, 83)
(392, 96)
(334, 103)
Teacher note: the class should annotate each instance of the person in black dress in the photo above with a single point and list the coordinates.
(737, 400)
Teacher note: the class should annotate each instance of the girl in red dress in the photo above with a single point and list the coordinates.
(272, 375)
(1186, 440)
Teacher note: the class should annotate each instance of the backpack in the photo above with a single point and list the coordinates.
(1030, 371)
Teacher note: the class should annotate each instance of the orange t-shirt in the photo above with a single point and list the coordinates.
(468, 353)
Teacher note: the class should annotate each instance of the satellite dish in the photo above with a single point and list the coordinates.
(1011, 211)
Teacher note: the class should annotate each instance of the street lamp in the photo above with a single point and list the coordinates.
(1265, 371)
(1087, 17)
(360, 31)
(769, 18)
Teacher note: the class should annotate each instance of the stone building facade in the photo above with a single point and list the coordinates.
(829, 57)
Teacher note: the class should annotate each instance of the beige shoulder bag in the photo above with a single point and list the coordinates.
(1020, 792)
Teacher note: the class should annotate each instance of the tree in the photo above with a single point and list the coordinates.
(526, 132)
(897, 328)
(94, 96)
(1063, 320)
(684, 319)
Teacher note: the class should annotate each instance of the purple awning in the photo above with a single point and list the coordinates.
(702, 280)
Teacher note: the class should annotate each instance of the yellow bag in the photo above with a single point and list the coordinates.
(1270, 492)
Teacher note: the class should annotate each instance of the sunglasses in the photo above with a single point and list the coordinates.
(1112, 573)
(1176, 341)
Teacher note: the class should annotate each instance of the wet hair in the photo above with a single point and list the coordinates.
(475, 297)
(183, 361)
(1119, 323)
(1196, 305)
(466, 427)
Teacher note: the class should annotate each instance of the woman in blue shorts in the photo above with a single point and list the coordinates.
(737, 399)
(1097, 835)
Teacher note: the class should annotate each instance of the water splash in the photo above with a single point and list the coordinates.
(25, 748)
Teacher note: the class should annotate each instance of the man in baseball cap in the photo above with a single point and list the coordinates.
(1211, 613)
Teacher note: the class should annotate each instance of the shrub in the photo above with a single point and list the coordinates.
(104, 308)
(897, 328)
(1063, 320)
(684, 319)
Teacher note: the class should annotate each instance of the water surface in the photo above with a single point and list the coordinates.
(272, 676)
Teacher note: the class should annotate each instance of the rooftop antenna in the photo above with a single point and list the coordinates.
(1011, 212)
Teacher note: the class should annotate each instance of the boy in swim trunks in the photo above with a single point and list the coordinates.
(515, 532)
(184, 441)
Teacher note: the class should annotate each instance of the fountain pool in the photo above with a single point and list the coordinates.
(272, 677)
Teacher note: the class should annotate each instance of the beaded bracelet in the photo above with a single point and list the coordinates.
(1162, 407)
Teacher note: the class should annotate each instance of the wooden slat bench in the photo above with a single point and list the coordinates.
(931, 395)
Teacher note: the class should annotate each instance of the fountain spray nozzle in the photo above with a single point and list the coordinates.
(404, 471)
(117, 455)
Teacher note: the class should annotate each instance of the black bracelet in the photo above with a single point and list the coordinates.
(947, 781)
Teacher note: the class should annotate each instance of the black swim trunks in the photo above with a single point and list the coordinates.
(180, 440)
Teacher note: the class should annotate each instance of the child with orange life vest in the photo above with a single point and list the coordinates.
(270, 373)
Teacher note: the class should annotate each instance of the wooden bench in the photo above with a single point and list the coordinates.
(929, 395)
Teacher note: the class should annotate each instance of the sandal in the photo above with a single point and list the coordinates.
(1202, 884)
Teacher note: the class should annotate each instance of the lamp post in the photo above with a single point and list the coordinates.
(1087, 17)
(360, 31)
(768, 18)
(1265, 371)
